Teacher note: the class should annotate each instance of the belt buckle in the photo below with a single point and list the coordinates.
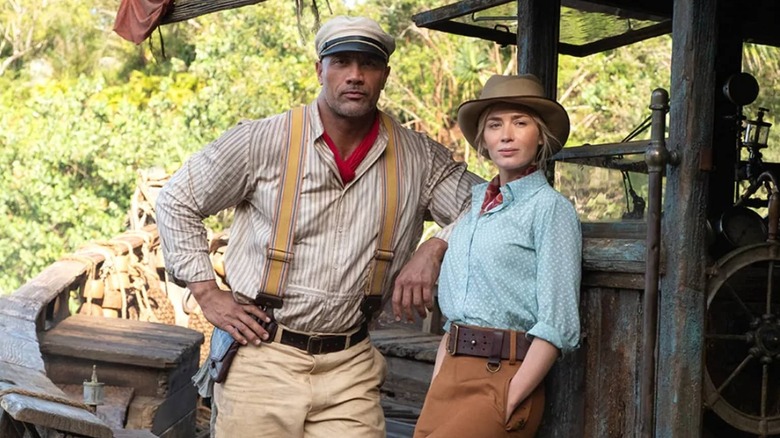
(453, 341)
(314, 345)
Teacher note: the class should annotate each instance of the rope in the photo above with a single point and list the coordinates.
(88, 275)
(44, 396)
(89, 261)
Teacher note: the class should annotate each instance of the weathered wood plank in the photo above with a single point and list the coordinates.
(682, 298)
(134, 433)
(18, 344)
(116, 399)
(613, 255)
(613, 280)
(566, 382)
(124, 341)
(54, 415)
(56, 278)
(187, 9)
(407, 379)
(13, 376)
(407, 344)
(445, 13)
(611, 329)
(159, 414)
(20, 307)
(565, 401)
(625, 229)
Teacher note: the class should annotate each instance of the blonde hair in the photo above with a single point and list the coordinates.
(545, 150)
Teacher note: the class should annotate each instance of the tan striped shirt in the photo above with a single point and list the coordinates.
(337, 226)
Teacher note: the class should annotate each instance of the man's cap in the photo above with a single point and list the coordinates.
(353, 34)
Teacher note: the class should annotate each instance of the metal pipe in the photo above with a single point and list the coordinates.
(656, 158)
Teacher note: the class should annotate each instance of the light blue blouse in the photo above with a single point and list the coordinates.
(518, 265)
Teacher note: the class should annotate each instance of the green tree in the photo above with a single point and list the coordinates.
(85, 111)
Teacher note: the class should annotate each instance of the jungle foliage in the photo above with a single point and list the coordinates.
(85, 111)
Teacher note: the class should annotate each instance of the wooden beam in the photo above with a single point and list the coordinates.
(498, 36)
(682, 295)
(622, 12)
(623, 39)
(56, 416)
(656, 8)
(538, 31)
(455, 10)
(602, 150)
(183, 10)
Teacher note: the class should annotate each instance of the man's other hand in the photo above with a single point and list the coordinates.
(413, 289)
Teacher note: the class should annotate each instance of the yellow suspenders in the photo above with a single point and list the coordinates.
(280, 255)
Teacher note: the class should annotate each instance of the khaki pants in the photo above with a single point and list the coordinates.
(466, 400)
(280, 391)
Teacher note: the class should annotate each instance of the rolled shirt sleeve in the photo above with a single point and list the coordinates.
(216, 178)
(559, 261)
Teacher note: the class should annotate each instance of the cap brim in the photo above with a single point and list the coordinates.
(354, 46)
(553, 114)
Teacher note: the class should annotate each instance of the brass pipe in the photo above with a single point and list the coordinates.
(656, 157)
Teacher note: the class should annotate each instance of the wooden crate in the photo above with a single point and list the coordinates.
(156, 360)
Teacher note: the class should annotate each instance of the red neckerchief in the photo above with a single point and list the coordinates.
(493, 196)
(347, 167)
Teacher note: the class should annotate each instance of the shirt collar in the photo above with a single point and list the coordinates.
(523, 188)
(519, 189)
(315, 137)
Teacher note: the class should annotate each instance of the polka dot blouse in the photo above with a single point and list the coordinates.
(518, 265)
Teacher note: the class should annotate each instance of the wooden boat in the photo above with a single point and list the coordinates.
(661, 345)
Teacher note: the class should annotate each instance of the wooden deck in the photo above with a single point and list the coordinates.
(34, 324)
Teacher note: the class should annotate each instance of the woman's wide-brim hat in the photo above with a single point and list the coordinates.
(525, 90)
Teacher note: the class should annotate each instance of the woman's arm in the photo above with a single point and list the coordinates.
(540, 358)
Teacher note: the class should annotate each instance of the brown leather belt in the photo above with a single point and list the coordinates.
(486, 342)
(321, 344)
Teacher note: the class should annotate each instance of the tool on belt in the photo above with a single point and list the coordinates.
(280, 254)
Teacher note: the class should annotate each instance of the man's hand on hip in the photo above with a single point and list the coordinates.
(220, 309)
(414, 284)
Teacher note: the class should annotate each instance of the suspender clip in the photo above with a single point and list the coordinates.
(384, 255)
(266, 301)
(371, 305)
(280, 255)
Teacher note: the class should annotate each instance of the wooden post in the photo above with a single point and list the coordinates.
(538, 29)
(682, 297)
(538, 24)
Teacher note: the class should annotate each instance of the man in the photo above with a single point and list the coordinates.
(356, 164)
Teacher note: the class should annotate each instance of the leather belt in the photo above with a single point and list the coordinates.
(320, 344)
(486, 342)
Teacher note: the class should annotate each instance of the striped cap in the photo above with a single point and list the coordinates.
(353, 34)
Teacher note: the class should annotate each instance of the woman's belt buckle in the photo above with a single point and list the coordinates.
(452, 343)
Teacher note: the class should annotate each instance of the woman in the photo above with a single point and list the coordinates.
(510, 279)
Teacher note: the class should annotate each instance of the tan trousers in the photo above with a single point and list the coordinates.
(280, 391)
(466, 400)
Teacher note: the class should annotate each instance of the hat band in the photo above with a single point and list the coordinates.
(328, 46)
